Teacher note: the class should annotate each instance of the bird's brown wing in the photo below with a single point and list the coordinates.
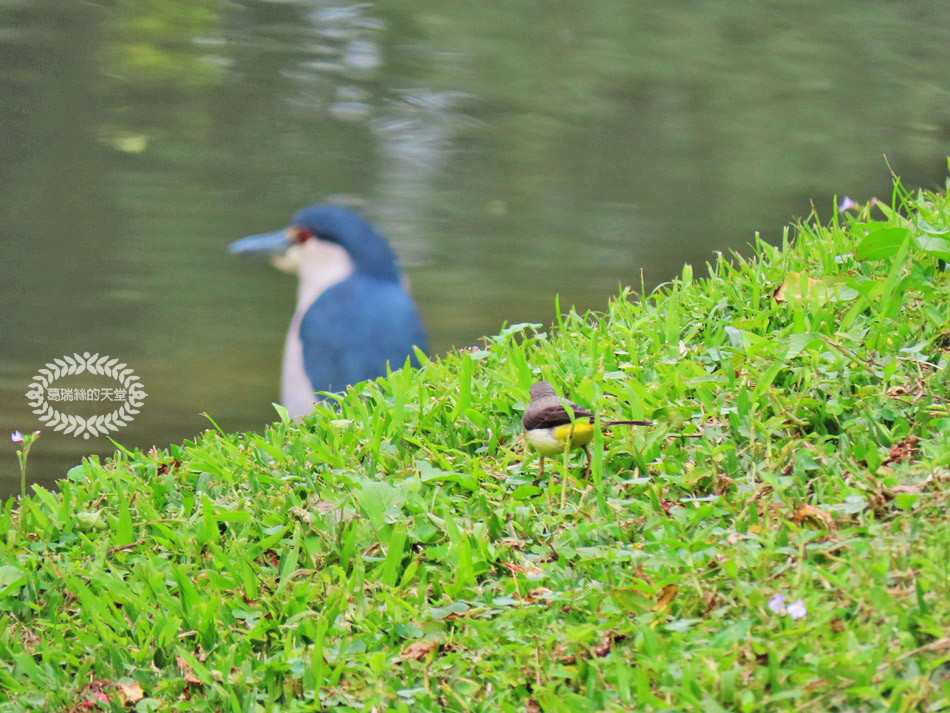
(552, 414)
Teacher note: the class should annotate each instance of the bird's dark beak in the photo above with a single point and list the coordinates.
(263, 244)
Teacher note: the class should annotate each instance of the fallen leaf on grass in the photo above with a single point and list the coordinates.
(512, 542)
(816, 515)
(563, 655)
(905, 489)
(667, 595)
(186, 671)
(603, 648)
(169, 466)
(638, 574)
(531, 571)
(94, 688)
(900, 591)
(416, 650)
(101, 698)
(901, 451)
(722, 484)
(532, 597)
(130, 693)
(532, 706)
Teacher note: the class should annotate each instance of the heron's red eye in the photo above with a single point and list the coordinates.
(302, 235)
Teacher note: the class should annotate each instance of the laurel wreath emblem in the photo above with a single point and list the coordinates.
(92, 364)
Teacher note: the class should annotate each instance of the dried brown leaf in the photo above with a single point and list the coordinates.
(905, 489)
(814, 514)
(514, 568)
(130, 693)
(169, 466)
(186, 672)
(667, 595)
(416, 650)
(603, 648)
(901, 451)
(563, 655)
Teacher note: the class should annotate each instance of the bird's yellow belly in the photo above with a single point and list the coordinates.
(550, 441)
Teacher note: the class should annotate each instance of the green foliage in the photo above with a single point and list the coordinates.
(153, 43)
(395, 551)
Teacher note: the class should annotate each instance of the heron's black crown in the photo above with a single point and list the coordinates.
(370, 253)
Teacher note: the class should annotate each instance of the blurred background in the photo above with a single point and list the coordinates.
(508, 151)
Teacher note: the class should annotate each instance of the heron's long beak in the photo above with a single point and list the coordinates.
(263, 244)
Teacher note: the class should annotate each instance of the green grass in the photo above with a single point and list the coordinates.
(394, 552)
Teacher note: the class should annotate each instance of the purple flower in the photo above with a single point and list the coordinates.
(846, 204)
(776, 603)
(16, 437)
(797, 609)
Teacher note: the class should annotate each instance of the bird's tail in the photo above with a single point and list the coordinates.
(605, 424)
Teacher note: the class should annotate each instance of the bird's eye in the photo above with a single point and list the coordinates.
(302, 235)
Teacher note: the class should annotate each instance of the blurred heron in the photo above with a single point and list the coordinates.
(354, 314)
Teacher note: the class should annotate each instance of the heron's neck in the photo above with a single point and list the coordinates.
(323, 265)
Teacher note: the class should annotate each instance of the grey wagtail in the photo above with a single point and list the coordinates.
(550, 428)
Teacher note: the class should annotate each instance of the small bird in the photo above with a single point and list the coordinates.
(354, 314)
(549, 427)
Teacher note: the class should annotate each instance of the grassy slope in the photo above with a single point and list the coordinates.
(395, 553)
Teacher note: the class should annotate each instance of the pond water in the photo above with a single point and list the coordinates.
(509, 152)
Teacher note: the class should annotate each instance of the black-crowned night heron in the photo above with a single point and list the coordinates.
(354, 314)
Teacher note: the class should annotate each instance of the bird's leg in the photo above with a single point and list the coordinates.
(540, 466)
(565, 472)
(587, 453)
